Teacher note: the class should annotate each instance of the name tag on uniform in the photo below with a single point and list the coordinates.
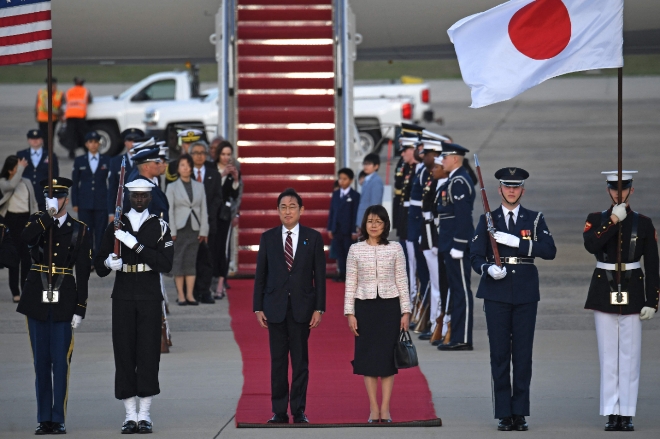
(82, 168)
(55, 297)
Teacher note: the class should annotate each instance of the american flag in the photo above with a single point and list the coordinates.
(25, 31)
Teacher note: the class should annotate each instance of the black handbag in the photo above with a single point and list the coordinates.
(405, 354)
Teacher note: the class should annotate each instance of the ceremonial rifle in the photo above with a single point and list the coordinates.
(119, 205)
(489, 218)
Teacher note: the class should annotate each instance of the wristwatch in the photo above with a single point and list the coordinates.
(319, 311)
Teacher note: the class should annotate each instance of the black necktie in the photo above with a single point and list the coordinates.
(511, 223)
(93, 158)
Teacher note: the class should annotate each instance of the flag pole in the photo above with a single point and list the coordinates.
(49, 86)
(620, 172)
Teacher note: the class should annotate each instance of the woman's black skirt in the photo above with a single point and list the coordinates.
(378, 322)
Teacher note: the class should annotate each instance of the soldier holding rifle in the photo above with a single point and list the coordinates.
(620, 305)
(503, 250)
(54, 303)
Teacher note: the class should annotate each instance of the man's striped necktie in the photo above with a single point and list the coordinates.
(288, 250)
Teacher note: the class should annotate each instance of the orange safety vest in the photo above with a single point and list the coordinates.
(42, 105)
(76, 102)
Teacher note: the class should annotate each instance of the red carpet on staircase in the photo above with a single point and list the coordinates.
(335, 396)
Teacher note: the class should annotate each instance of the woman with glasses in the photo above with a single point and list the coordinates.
(377, 305)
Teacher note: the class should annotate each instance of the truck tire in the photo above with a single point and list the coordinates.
(111, 143)
(369, 140)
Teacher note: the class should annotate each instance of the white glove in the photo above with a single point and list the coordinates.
(647, 313)
(52, 206)
(456, 254)
(507, 239)
(126, 238)
(434, 250)
(619, 210)
(496, 272)
(76, 321)
(113, 264)
(419, 240)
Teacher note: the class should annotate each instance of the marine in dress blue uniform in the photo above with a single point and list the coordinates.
(51, 322)
(37, 168)
(414, 225)
(619, 318)
(130, 137)
(407, 146)
(341, 221)
(511, 294)
(455, 232)
(90, 188)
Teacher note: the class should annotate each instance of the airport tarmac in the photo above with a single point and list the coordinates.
(563, 132)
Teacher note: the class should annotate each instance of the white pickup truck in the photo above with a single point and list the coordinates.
(110, 115)
(419, 95)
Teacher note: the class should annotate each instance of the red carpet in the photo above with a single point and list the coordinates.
(335, 396)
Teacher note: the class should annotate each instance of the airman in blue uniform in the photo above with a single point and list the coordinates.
(148, 165)
(455, 232)
(130, 136)
(511, 294)
(89, 192)
(37, 168)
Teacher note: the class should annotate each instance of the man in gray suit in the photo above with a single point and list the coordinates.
(372, 188)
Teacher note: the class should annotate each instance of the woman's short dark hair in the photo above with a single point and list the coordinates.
(10, 164)
(289, 192)
(187, 158)
(222, 145)
(381, 213)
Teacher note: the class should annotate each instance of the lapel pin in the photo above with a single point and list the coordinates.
(305, 241)
(68, 224)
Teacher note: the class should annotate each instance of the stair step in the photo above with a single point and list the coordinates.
(267, 48)
(269, 218)
(287, 168)
(281, 64)
(284, 2)
(249, 269)
(261, 83)
(277, 183)
(270, 115)
(284, 150)
(285, 134)
(265, 200)
(284, 100)
(253, 236)
(262, 30)
(285, 13)
(250, 257)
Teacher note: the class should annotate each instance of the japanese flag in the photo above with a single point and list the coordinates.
(519, 44)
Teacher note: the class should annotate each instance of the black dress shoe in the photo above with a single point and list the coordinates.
(519, 423)
(613, 423)
(43, 428)
(505, 424)
(145, 427)
(279, 419)
(455, 347)
(436, 342)
(425, 335)
(57, 428)
(192, 302)
(129, 427)
(384, 421)
(300, 418)
(626, 423)
(181, 303)
(373, 421)
(207, 298)
(412, 325)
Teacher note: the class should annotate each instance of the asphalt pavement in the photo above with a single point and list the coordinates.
(563, 132)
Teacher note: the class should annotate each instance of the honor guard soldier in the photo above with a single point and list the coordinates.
(407, 146)
(53, 313)
(399, 175)
(455, 232)
(619, 311)
(187, 136)
(511, 294)
(145, 251)
(148, 164)
(130, 137)
(37, 168)
(89, 192)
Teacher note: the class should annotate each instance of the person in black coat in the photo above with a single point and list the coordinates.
(289, 299)
(207, 173)
(51, 318)
(146, 250)
(37, 168)
(342, 217)
(511, 294)
(130, 137)
(90, 188)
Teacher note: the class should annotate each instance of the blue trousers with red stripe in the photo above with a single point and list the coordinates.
(52, 347)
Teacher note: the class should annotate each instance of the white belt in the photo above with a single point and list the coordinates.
(415, 203)
(624, 267)
(427, 216)
(138, 268)
(406, 204)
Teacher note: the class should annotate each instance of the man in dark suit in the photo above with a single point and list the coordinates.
(207, 173)
(289, 299)
(511, 294)
(37, 168)
(342, 218)
(90, 188)
(130, 137)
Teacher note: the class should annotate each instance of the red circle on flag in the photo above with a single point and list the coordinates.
(541, 29)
